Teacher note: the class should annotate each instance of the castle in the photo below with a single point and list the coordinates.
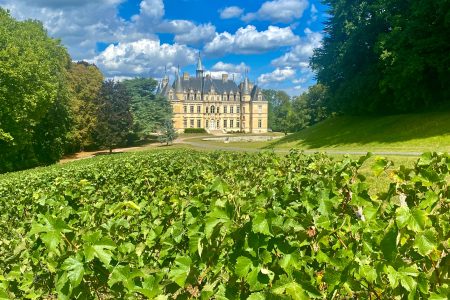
(217, 105)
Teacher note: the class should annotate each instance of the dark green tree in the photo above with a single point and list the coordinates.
(114, 119)
(34, 116)
(150, 111)
(385, 56)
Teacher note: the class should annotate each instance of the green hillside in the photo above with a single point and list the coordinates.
(412, 132)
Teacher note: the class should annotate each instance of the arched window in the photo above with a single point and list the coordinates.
(213, 110)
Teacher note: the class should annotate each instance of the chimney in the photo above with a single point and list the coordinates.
(224, 77)
(185, 76)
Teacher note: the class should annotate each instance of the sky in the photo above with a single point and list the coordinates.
(272, 39)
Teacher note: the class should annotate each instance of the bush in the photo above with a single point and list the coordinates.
(194, 130)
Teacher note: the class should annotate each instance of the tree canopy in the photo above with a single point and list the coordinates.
(385, 56)
(33, 95)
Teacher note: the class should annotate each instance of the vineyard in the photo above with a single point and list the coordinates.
(189, 225)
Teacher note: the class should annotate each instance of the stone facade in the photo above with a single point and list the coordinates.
(217, 105)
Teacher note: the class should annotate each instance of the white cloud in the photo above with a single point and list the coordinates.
(144, 57)
(231, 12)
(231, 68)
(197, 35)
(298, 57)
(283, 11)
(277, 76)
(313, 14)
(249, 40)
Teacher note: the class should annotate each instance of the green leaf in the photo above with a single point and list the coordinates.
(388, 244)
(243, 265)
(50, 232)
(219, 186)
(369, 273)
(180, 270)
(425, 242)
(415, 219)
(380, 165)
(217, 216)
(75, 270)
(257, 296)
(261, 225)
(98, 247)
(292, 289)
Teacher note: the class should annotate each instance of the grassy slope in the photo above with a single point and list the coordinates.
(413, 132)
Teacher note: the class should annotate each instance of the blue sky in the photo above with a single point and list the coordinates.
(126, 38)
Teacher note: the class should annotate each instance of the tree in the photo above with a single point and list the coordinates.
(309, 108)
(114, 119)
(150, 111)
(168, 133)
(279, 110)
(34, 115)
(385, 56)
(85, 81)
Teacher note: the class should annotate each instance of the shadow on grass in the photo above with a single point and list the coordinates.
(341, 131)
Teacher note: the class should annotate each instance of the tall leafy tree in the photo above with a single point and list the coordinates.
(150, 111)
(85, 81)
(385, 56)
(114, 120)
(309, 108)
(279, 110)
(33, 95)
(167, 132)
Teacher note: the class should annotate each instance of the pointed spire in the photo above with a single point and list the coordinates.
(246, 89)
(200, 69)
(178, 85)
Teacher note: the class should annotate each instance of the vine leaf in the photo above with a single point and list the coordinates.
(180, 270)
(425, 242)
(75, 270)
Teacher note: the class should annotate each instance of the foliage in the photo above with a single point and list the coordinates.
(309, 108)
(385, 56)
(168, 133)
(279, 110)
(34, 114)
(185, 224)
(114, 120)
(150, 111)
(194, 130)
(85, 81)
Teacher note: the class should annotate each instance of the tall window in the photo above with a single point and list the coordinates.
(238, 110)
(185, 109)
(185, 123)
(218, 124)
(192, 109)
(192, 123)
(207, 109)
(206, 124)
(218, 109)
(231, 109)
(237, 123)
(260, 109)
(199, 124)
(225, 123)
(231, 124)
(199, 109)
(259, 123)
(224, 109)
(213, 109)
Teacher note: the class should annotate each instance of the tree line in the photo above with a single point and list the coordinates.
(51, 106)
(377, 57)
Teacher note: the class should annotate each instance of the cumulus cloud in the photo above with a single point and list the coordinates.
(314, 11)
(197, 35)
(143, 57)
(81, 24)
(277, 76)
(231, 12)
(235, 71)
(249, 40)
(298, 57)
(279, 11)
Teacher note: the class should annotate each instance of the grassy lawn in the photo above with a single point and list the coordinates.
(403, 133)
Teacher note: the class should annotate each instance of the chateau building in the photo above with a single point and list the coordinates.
(217, 105)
